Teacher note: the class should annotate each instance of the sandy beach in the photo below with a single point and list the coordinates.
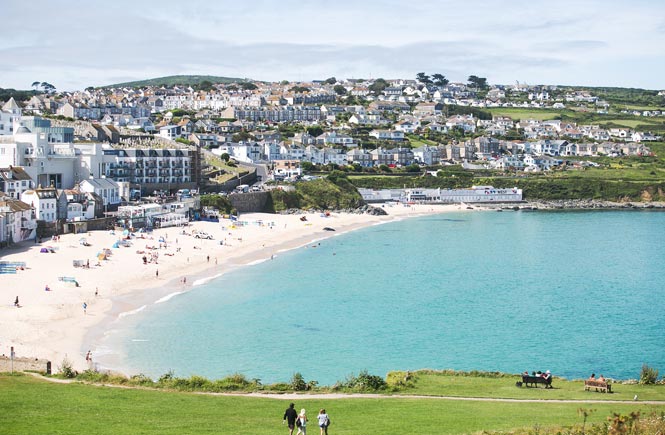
(53, 324)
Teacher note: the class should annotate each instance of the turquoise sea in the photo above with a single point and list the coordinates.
(573, 292)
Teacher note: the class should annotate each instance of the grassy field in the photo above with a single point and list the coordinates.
(34, 406)
(441, 384)
(517, 113)
(633, 123)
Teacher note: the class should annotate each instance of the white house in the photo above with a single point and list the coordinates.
(44, 201)
(387, 134)
(17, 221)
(106, 188)
(14, 181)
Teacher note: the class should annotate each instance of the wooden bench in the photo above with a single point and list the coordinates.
(603, 387)
(535, 380)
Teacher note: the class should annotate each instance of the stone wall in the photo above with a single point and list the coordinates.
(24, 364)
(251, 202)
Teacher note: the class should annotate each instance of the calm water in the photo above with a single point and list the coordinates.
(571, 292)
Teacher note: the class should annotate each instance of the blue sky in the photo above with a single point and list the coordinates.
(74, 44)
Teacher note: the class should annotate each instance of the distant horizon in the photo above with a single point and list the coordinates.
(339, 79)
(609, 43)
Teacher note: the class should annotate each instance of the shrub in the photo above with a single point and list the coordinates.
(648, 375)
(142, 380)
(298, 382)
(363, 382)
(67, 370)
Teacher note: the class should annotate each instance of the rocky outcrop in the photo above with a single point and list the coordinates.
(586, 204)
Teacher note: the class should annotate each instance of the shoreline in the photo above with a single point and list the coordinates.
(52, 324)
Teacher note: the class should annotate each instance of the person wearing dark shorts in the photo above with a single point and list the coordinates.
(290, 416)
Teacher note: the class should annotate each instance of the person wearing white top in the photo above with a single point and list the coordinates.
(324, 421)
(302, 427)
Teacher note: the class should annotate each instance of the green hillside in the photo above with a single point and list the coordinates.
(183, 80)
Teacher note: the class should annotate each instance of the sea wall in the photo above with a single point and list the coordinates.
(25, 364)
(251, 202)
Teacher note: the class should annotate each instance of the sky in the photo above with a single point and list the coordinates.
(74, 44)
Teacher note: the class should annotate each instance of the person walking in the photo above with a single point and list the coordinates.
(16, 302)
(290, 416)
(85, 307)
(324, 421)
(302, 423)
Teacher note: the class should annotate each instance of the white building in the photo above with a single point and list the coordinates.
(9, 113)
(44, 201)
(14, 181)
(106, 188)
(17, 221)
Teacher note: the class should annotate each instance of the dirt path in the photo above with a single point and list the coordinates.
(335, 396)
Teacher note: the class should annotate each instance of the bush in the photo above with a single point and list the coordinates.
(363, 382)
(298, 382)
(67, 370)
(648, 375)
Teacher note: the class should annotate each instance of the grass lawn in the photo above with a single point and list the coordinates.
(33, 406)
(437, 384)
(417, 142)
(517, 113)
(632, 123)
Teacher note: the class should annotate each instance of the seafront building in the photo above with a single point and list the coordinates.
(476, 194)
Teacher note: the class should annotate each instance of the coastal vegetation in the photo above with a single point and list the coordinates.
(33, 405)
(178, 80)
(333, 192)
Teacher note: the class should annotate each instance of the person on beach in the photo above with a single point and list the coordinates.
(324, 421)
(16, 302)
(302, 423)
(157, 273)
(290, 416)
(47, 288)
(85, 308)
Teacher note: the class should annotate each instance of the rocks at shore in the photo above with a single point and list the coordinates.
(364, 209)
(581, 204)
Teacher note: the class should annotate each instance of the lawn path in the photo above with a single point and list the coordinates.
(333, 396)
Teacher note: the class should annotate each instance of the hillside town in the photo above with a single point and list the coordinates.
(72, 156)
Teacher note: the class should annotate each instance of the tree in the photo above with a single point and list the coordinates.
(241, 136)
(440, 79)
(315, 131)
(331, 81)
(225, 156)
(478, 82)
(378, 86)
(299, 89)
(423, 78)
(339, 90)
(35, 85)
(205, 85)
(247, 86)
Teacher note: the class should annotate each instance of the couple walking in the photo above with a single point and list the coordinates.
(300, 420)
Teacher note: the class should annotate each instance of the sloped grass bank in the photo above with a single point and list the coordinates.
(34, 406)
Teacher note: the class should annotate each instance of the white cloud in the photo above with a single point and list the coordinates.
(77, 44)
